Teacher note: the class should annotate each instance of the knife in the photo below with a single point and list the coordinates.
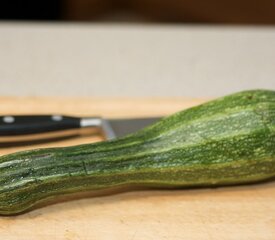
(29, 128)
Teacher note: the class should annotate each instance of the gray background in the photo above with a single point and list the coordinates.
(134, 60)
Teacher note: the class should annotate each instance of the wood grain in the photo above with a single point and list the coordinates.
(242, 212)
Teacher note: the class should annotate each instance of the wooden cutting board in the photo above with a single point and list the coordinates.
(242, 212)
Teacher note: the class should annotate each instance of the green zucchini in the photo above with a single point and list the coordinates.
(227, 141)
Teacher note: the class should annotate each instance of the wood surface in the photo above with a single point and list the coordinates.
(240, 212)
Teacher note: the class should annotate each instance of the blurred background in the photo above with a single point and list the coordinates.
(197, 48)
(173, 11)
(176, 11)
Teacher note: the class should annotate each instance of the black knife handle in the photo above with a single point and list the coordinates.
(33, 124)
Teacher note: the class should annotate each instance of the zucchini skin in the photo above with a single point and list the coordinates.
(227, 141)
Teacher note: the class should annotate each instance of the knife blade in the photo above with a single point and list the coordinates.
(27, 128)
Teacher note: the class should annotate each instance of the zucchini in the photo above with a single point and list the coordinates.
(227, 141)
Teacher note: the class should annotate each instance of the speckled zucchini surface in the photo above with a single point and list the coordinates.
(230, 140)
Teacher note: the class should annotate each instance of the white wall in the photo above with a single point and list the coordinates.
(134, 60)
